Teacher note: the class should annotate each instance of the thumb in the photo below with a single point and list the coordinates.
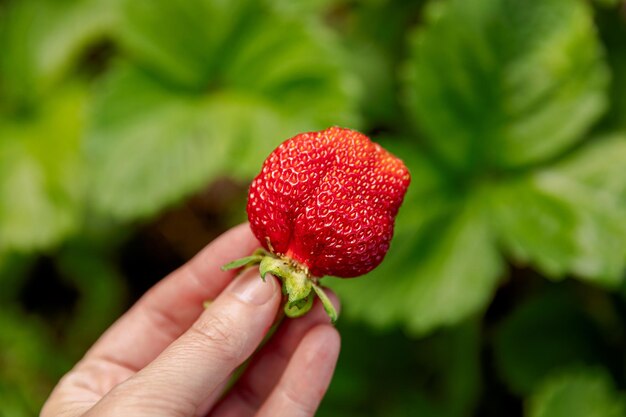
(198, 362)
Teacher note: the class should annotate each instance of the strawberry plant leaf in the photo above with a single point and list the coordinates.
(556, 332)
(42, 39)
(442, 266)
(148, 146)
(585, 392)
(13, 267)
(36, 363)
(376, 49)
(608, 3)
(101, 288)
(181, 141)
(221, 112)
(436, 376)
(303, 6)
(598, 167)
(237, 44)
(500, 84)
(204, 27)
(40, 173)
(569, 218)
(613, 26)
(535, 226)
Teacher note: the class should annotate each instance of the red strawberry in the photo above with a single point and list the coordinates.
(324, 203)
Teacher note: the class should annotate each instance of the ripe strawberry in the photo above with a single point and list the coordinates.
(324, 203)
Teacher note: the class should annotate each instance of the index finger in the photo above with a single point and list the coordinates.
(172, 305)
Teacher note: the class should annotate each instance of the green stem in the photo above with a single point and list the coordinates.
(297, 283)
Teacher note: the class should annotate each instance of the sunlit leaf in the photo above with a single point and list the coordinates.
(236, 90)
(43, 38)
(304, 6)
(502, 83)
(237, 44)
(536, 226)
(148, 146)
(569, 218)
(40, 177)
(442, 266)
(195, 43)
(577, 393)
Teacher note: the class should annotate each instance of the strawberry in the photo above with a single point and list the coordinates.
(324, 203)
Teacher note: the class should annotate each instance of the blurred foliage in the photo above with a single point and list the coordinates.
(129, 130)
(586, 392)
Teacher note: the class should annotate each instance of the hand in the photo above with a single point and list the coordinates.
(168, 356)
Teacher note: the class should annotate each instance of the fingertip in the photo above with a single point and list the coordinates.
(241, 228)
(251, 288)
(206, 271)
(234, 243)
(308, 375)
(324, 340)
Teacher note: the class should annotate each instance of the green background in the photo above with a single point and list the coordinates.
(130, 129)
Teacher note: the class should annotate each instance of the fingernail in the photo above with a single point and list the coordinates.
(250, 288)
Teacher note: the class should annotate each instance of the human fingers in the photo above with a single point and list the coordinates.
(198, 362)
(306, 379)
(268, 365)
(170, 307)
(158, 318)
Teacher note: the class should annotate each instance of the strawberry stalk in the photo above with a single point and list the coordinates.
(299, 286)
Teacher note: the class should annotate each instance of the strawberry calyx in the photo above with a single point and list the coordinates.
(299, 286)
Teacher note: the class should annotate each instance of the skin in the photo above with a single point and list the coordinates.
(168, 356)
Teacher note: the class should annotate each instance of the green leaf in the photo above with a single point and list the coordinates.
(42, 39)
(536, 227)
(13, 269)
(442, 267)
(454, 357)
(198, 31)
(608, 3)
(436, 376)
(40, 173)
(548, 332)
(304, 6)
(612, 27)
(599, 167)
(33, 363)
(212, 44)
(569, 218)
(148, 146)
(376, 48)
(577, 393)
(498, 84)
(153, 143)
(102, 294)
